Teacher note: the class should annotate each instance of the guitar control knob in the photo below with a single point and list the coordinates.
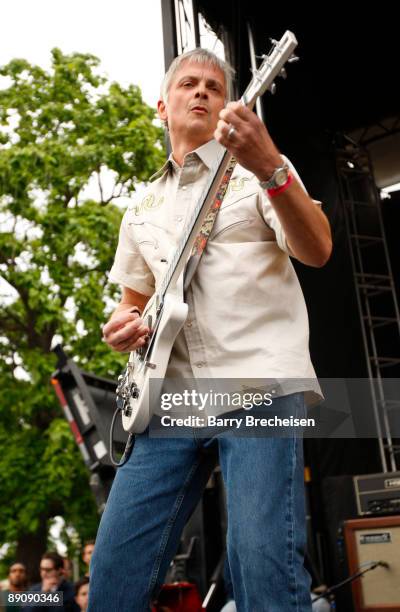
(134, 391)
(127, 410)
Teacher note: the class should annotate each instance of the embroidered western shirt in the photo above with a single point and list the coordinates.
(247, 315)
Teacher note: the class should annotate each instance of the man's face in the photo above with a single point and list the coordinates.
(87, 553)
(196, 96)
(17, 575)
(67, 570)
(48, 571)
(82, 597)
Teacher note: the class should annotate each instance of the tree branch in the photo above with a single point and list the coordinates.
(114, 196)
(6, 324)
(100, 187)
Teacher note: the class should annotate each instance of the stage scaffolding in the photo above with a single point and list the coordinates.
(374, 284)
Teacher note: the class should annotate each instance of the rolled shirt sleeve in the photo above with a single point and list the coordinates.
(129, 268)
(271, 216)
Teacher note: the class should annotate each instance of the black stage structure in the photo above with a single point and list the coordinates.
(337, 116)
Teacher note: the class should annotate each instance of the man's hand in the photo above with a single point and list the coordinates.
(125, 332)
(49, 583)
(249, 142)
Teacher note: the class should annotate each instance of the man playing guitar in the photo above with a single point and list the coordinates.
(246, 315)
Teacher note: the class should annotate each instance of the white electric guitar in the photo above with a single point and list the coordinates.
(166, 311)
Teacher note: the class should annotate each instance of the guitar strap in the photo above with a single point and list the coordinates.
(208, 223)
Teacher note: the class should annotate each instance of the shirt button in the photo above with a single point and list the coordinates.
(184, 188)
(179, 218)
(189, 324)
(199, 364)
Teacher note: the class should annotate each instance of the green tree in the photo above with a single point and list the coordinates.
(59, 129)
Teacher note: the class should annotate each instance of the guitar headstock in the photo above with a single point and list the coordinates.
(273, 66)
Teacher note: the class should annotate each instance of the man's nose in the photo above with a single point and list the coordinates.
(201, 91)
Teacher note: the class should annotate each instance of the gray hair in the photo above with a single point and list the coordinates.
(201, 56)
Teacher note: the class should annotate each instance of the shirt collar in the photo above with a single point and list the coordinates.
(164, 168)
(207, 153)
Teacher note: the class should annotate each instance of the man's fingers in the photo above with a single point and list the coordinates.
(224, 127)
(238, 107)
(128, 346)
(236, 113)
(119, 321)
(225, 136)
(113, 327)
(131, 331)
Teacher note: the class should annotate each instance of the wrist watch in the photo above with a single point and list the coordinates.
(278, 179)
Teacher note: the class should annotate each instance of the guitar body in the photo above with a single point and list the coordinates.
(146, 368)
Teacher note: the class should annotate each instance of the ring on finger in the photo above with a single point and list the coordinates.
(231, 131)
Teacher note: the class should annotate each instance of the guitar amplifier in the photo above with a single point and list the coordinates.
(377, 493)
(374, 541)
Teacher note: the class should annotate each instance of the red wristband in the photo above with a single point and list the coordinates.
(274, 192)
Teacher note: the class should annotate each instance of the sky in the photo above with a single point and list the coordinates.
(125, 34)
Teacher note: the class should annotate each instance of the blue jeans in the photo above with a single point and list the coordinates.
(154, 494)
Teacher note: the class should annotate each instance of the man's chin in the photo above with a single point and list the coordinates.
(200, 127)
(200, 120)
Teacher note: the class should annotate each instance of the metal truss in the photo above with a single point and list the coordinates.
(373, 279)
(377, 131)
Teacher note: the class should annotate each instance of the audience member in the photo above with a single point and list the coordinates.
(52, 579)
(82, 593)
(17, 583)
(17, 578)
(68, 569)
(87, 552)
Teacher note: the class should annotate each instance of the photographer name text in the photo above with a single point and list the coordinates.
(247, 421)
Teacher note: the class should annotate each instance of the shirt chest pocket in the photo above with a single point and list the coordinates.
(153, 245)
(237, 219)
(150, 234)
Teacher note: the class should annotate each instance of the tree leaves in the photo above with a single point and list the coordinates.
(57, 130)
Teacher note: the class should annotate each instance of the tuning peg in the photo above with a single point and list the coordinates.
(293, 58)
(272, 88)
(283, 73)
(256, 74)
(273, 41)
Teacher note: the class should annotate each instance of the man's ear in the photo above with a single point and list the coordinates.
(162, 110)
